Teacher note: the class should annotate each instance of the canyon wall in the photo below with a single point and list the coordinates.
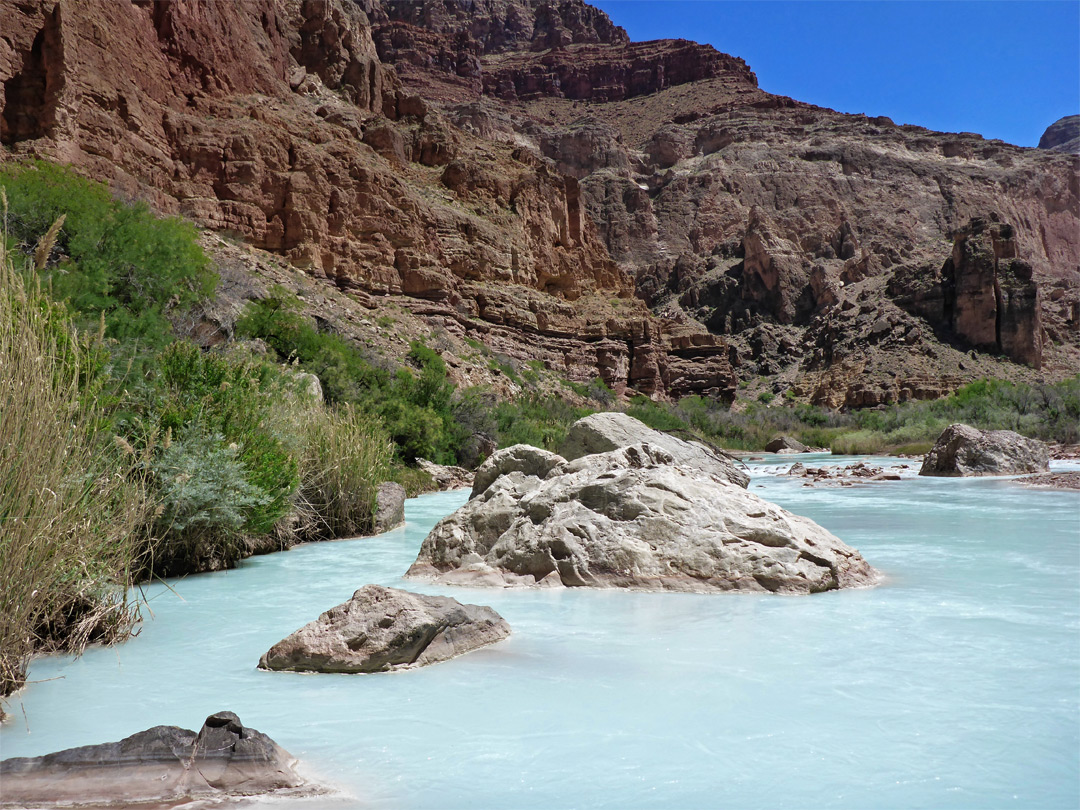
(519, 171)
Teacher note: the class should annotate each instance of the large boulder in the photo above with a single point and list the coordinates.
(164, 764)
(603, 432)
(389, 507)
(385, 629)
(964, 450)
(633, 518)
(786, 444)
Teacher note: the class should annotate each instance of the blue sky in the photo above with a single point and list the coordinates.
(1003, 68)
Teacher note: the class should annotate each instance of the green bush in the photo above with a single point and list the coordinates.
(110, 257)
(541, 421)
(197, 411)
(204, 503)
(418, 405)
(657, 416)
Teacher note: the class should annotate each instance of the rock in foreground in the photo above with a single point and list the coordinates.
(630, 518)
(384, 629)
(603, 432)
(964, 450)
(161, 764)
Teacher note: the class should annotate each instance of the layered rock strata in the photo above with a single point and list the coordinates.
(517, 171)
(386, 630)
(964, 450)
(162, 765)
(766, 219)
(278, 122)
(629, 518)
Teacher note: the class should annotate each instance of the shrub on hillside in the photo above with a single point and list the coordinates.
(109, 257)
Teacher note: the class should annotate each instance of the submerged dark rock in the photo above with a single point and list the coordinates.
(161, 764)
(385, 629)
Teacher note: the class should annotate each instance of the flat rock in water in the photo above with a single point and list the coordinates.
(632, 518)
(161, 764)
(385, 629)
(603, 432)
(964, 450)
(1054, 480)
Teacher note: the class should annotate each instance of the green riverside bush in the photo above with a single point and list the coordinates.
(109, 257)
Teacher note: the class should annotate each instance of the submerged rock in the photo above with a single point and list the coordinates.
(964, 450)
(161, 764)
(385, 629)
(603, 432)
(1058, 480)
(633, 518)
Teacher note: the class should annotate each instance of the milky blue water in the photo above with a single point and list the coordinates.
(954, 684)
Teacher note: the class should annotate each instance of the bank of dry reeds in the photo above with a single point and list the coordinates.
(67, 511)
(346, 455)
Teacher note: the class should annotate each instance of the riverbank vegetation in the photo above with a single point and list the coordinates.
(127, 452)
(1050, 412)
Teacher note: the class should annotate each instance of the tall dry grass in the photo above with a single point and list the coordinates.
(68, 513)
(343, 454)
(346, 455)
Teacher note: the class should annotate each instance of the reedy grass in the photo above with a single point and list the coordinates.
(345, 455)
(68, 511)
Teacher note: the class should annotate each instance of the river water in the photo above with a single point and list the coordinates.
(954, 684)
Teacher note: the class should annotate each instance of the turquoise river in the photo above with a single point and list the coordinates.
(955, 684)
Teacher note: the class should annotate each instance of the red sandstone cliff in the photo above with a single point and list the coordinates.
(517, 170)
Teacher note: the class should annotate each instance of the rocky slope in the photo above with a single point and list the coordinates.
(1063, 135)
(518, 172)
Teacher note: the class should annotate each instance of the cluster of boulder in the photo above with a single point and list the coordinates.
(625, 506)
(843, 476)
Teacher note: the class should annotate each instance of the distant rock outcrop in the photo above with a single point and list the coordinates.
(164, 765)
(964, 450)
(1063, 135)
(634, 517)
(385, 630)
(786, 444)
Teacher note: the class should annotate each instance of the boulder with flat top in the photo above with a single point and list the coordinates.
(964, 450)
(162, 765)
